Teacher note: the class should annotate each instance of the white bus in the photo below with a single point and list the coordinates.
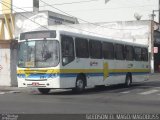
(53, 59)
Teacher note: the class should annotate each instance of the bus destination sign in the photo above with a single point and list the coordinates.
(38, 34)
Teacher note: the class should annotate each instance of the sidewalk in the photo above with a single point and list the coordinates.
(12, 89)
(154, 77)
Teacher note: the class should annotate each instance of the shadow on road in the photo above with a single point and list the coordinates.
(106, 89)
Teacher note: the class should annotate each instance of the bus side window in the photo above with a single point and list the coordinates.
(95, 48)
(81, 48)
(67, 49)
(129, 53)
(108, 50)
(144, 54)
(119, 52)
(138, 54)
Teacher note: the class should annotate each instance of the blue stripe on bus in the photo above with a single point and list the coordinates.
(63, 75)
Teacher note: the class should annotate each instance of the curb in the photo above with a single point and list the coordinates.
(9, 89)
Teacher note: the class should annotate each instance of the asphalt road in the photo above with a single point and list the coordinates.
(139, 98)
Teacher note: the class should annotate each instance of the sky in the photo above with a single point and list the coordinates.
(94, 10)
(114, 10)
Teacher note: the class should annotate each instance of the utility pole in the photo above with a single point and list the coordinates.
(152, 43)
(152, 37)
(159, 11)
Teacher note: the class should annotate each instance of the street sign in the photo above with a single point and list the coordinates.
(155, 49)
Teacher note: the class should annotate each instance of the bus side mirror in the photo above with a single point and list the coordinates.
(65, 60)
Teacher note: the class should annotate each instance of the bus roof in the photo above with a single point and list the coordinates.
(87, 36)
(82, 35)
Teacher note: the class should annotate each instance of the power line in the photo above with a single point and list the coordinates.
(80, 18)
(63, 24)
(25, 16)
(64, 3)
(61, 4)
(72, 3)
(85, 20)
(82, 10)
(98, 9)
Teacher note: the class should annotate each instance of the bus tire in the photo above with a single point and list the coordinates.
(80, 85)
(44, 90)
(128, 80)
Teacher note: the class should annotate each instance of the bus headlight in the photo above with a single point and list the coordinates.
(47, 84)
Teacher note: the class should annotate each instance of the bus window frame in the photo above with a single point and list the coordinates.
(64, 58)
(113, 56)
(115, 51)
(133, 57)
(146, 54)
(91, 41)
(78, 39)
(135, 47)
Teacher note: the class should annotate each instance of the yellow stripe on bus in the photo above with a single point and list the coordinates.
(128, 70)
(80, 71)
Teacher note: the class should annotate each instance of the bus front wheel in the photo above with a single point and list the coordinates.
(44, 90)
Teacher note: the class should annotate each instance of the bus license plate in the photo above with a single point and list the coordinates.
(35, 83)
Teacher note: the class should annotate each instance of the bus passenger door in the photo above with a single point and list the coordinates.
(105, 71)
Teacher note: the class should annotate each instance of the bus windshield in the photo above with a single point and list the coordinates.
(38, 54)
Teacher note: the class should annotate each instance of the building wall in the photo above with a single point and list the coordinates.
(7, 64)
(28, 21)
(131, 31)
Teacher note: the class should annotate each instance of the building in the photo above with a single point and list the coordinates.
(27, 21)
(8, 62)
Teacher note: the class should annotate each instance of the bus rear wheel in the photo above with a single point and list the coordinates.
(128, 80)
(80, 85)
(44, 90)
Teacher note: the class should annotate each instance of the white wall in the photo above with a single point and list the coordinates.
(133, 31)
(4, 65)
(7, 64)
